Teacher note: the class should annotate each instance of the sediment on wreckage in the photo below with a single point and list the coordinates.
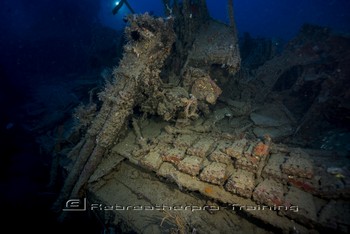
(149, 42)
(192, 142)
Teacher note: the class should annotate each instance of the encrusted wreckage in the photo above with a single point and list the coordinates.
(170, 149)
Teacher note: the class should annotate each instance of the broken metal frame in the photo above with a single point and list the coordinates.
(120, 4)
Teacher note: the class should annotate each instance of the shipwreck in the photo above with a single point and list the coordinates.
(187, 138)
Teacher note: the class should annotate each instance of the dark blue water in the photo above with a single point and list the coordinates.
(44, 43)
